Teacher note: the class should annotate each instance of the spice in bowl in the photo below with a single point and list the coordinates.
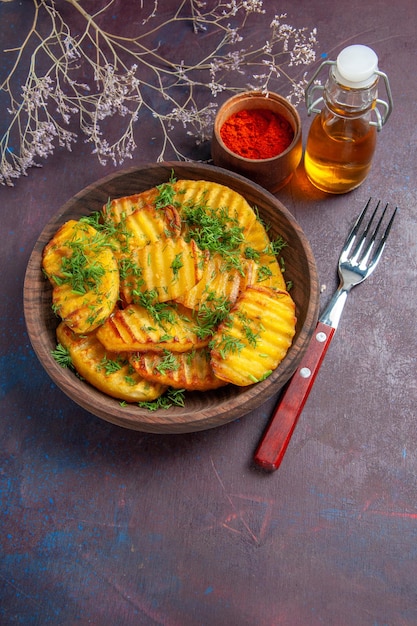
(257, 133)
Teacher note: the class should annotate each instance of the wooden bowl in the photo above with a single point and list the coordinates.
(272, 173)
(201, 410)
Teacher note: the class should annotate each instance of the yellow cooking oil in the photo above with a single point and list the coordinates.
(339, 151)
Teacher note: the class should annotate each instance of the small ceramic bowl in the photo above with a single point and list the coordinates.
(272, 173)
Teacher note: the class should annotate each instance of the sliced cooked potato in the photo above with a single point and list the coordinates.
(186, 370)
(135, 329)
(148, 224)
(252, 343)
(179, 258)
(167, 268)
(218, 282)
(110, 373)
(82, 268)
(213, 196)
(257, 237)
(120, 208)
(268, 273)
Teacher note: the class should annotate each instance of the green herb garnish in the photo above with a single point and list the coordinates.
(166, 193)
(228, 344)
(275, 246)
(177, 264)
(62, 356)
(159, 311)
(168, 363)
(213, 229)
(172, 397)
(247, 329)
(211, 313)
(110, 366)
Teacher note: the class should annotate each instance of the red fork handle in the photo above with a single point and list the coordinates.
(278, 433)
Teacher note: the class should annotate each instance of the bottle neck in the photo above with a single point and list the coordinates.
(348, 101)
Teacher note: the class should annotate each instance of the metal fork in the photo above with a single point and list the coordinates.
(360, 255)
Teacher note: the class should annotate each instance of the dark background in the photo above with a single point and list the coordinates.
(103, 526)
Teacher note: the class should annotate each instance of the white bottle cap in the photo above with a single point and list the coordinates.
(356, 66)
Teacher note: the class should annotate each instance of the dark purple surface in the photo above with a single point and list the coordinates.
(104, 526)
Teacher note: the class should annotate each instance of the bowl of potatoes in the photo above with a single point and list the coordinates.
(171, 298)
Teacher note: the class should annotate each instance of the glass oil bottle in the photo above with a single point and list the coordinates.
(342, 137)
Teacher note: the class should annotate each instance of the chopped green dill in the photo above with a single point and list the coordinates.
(229, 344)
(275, 246)
(166, 337)
(177, 264)
(166, 194)
(62, 356)
(110, 366)
(92, 318)
(115, 234)
(55, 308)
(159, 311)
(129, 269)
(213, 229)
(168, 363)
(211, 313)
(130, 380)
(251, 253)
(233, 261)
(107, 230)
(264, 272)
(263, 377)
(94, 219)
(81, 272)
(172, 397)
(247, 329)
(259, 218)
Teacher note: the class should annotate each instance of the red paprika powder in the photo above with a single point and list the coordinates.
(257, 133)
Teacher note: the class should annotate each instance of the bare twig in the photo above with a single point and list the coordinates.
(54, 106)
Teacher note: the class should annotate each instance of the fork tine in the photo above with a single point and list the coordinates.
(351, 238)
(359, 248)
(370, 257)
(377, 253)
(363, 259)
(358, 253)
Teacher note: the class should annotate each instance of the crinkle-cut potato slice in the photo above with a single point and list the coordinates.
(144, 226)
(218, 197)
(83, 271)
(257, 237)
(250, 345)
(168, 268)
(70, 235)
(119, 209)
(109, 372)
(269, 271)
(135, 329)
(191, 371)
(221, 284)
(218, 283)
(148, 224)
